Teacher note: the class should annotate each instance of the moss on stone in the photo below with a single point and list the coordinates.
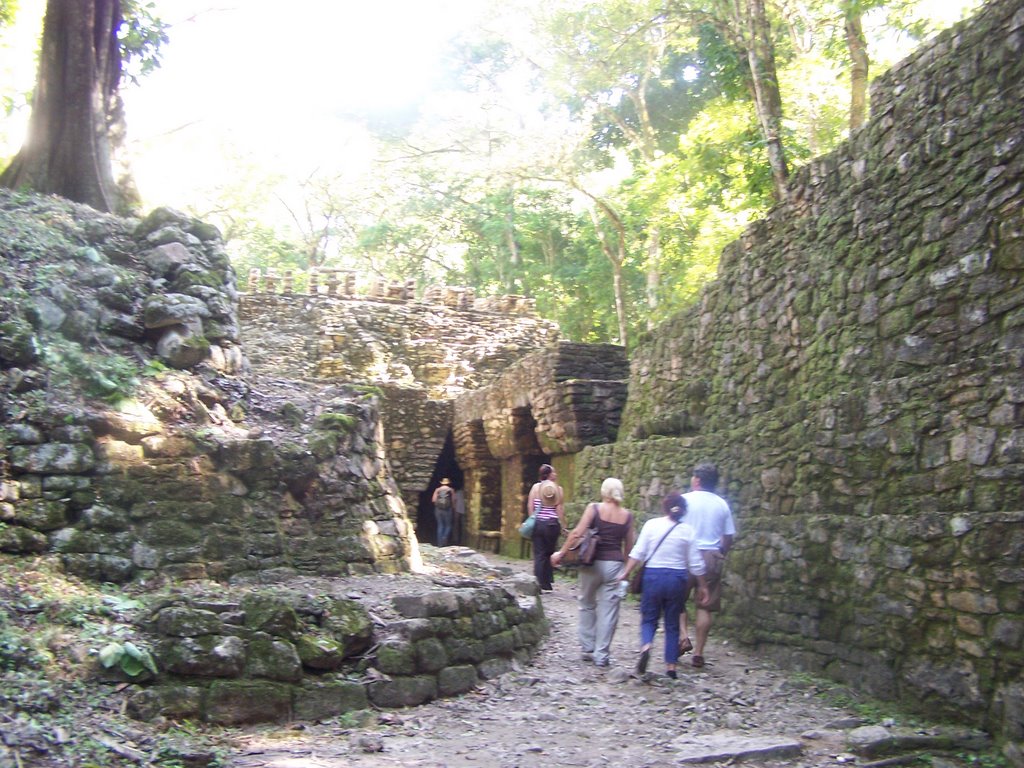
(341, 422)
(271, 614)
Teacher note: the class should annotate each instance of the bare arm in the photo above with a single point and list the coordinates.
(631, 563)
(630, 539)
(575, 533)
(531, 496)
(726, 544)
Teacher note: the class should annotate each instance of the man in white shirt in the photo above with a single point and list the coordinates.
(711, 519)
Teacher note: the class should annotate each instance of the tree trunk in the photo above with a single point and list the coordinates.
(767, 98)
(653, 272)
(858, 48)
(68, 149)
(617, 256)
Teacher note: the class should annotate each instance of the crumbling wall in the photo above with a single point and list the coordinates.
(856, 372)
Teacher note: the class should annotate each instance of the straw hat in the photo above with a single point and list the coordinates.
(549, 493)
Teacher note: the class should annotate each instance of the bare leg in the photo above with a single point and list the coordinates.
(703, 628)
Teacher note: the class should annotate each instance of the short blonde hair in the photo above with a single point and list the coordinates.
(611, 488)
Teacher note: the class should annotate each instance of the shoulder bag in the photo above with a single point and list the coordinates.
(636, 578)
(580, 550)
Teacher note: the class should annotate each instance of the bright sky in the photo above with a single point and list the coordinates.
(280, 80)
(277, 82)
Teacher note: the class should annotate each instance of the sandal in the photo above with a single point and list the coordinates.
(685, 646)
(698, 661)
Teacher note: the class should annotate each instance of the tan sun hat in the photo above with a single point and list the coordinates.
(549, 493)
(446, 481)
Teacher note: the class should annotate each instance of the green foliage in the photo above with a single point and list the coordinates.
(339, 422)
(16, 648)
(984, 760)
(141, 36)
(131, 659)
(644, 105)
(292, 413)
(7, 10)
(111, 377)
(47, 621)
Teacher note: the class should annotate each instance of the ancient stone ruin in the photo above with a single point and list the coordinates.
(855, 370)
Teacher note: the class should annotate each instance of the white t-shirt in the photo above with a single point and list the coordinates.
(677, 551)
(710, 517)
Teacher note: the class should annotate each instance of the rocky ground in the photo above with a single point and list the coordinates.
(562, 710)
(557, 710)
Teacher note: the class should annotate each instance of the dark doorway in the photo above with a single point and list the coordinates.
(525, 434)
(426, 525)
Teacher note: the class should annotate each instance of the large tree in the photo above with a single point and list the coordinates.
(75, 107)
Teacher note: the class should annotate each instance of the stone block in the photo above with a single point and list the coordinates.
(183, 702)
(182, 621)
(430, 655)
(463, 650)
(427, 605)
(53, 458)
(272, 658)
(237, 702)
(396, 657)
(324, 700)
(403, 691)
(492, 668)
(206, 656)
(452, 681)
(18, 540)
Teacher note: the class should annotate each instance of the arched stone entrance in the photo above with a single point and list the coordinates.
(543, 409)
(425, 524)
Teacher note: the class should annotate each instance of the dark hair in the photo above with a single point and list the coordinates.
(545, 471)
(707, 473)
(674, 505)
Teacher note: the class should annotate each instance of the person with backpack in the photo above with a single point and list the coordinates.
(444, 511)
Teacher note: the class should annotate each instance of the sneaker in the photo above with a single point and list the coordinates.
(605, 663)
(672, 673)
(587, 656)
(641, 664)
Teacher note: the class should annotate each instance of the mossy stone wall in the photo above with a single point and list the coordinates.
(855, 370)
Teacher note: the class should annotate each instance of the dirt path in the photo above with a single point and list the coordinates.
(562, 710)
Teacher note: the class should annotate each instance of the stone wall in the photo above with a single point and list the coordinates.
(430, 346)
(550, 404)
(124, 497)
(421, 354)
(856, 371)
(280, 654)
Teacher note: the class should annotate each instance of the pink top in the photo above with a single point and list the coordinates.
(544, 513)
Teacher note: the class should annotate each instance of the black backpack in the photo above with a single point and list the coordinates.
(444, 498)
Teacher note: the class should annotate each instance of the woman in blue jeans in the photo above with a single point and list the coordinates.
(667, 551)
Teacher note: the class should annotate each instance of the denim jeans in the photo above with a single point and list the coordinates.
(444, 519)
(664, 595)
